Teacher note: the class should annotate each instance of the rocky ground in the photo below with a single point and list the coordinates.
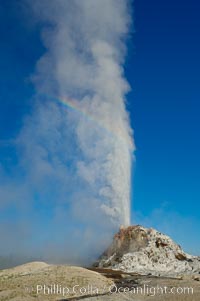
(152, 288)
(20, 284)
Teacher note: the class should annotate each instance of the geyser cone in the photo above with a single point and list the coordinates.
(147, 251)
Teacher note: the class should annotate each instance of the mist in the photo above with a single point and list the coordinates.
(71, 184)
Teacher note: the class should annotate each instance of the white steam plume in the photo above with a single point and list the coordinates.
(83, 61)
(77, 146)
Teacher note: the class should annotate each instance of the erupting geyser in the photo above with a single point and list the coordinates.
(82, 70)
(75, 148)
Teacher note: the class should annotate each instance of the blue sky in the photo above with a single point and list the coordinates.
(162, 67)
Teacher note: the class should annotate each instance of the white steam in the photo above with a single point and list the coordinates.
(77, 162)
(84, 55)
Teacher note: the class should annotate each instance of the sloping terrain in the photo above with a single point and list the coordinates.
(40, 281)
(20, 284)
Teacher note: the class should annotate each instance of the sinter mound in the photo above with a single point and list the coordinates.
(147, 251)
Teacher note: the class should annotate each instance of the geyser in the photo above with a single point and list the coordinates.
(82, 69)
(71, 182)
